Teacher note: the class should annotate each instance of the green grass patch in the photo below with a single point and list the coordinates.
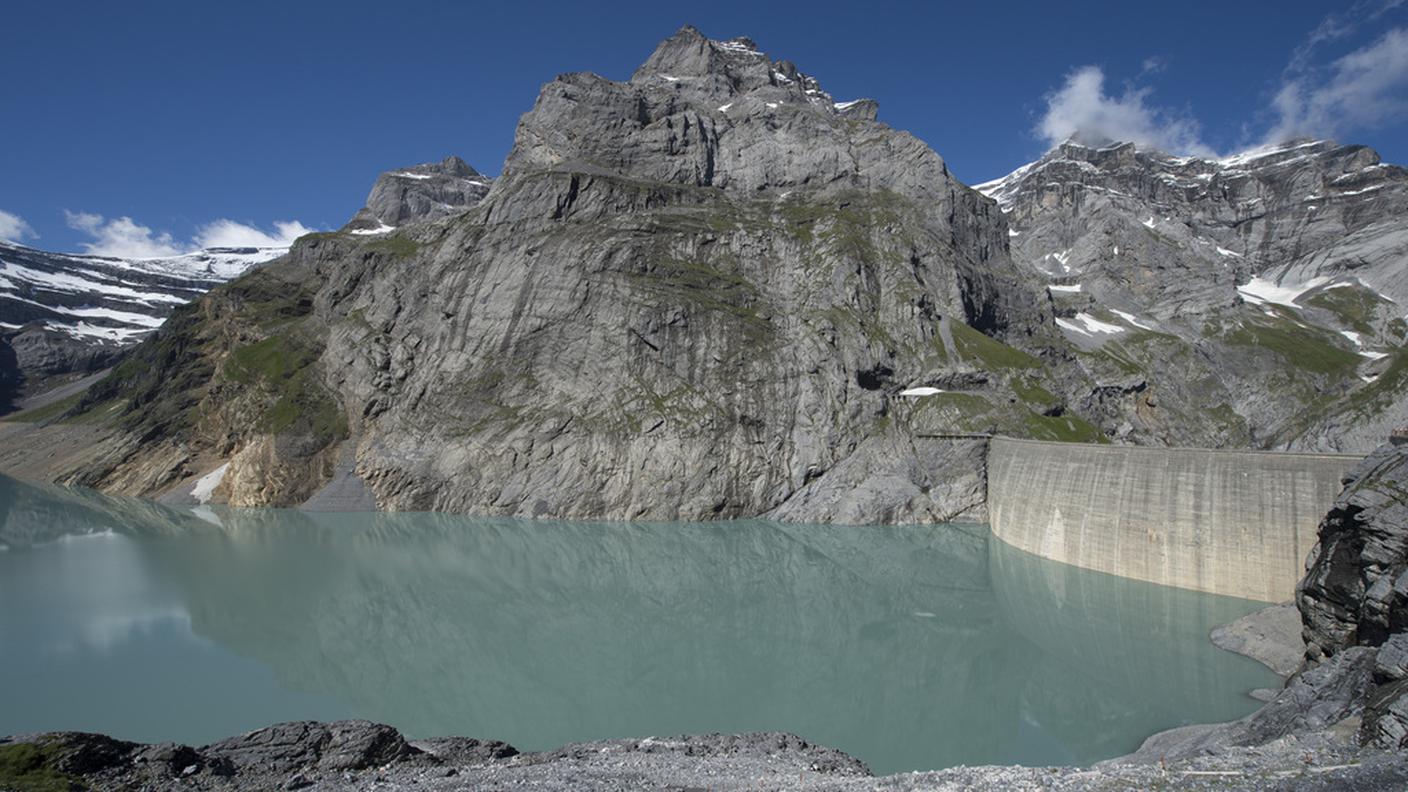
(395, 246)
(306, 407)
(285, 368)
(47, 412)
(28, 767)
(273, 360)
(1306, 348)
(1068, 428)
(973, 346)
(1355, 306)
(1030, 392)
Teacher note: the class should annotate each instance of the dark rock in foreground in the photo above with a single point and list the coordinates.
(353, 755)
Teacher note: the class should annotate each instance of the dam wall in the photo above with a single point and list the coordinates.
(1237, 523)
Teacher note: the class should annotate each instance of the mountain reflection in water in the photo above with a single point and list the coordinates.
(910, 647)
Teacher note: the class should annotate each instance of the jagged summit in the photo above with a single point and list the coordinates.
(421, 192)
(726, 69)
(723, 115)
(1110, 157)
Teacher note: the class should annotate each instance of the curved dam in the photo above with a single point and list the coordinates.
(1237, 523)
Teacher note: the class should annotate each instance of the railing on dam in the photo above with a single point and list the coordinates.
(1238, 523)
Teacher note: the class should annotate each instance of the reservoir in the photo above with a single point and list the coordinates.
(908, 647)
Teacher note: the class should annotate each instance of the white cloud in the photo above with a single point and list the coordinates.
(121, 237)
(1082, 110)
(13, 228)
(228, 233)
(1361, 90)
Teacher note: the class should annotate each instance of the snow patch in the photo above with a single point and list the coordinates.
(1373, 355)
(1131, 318)
(381, 229)
(1089, 325)
(1222, 251)
(724, 108)
(206, 485)
(416, 176)
(923, 390)
(1071, 289)
(1259, 290)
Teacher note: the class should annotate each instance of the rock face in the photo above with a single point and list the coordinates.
(1249, 301)
(694, 294)
(421, 192)
(1354, 598)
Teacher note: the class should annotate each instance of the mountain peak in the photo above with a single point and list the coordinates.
(420, 192)
(717, 70)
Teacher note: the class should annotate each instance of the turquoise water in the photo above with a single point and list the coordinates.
(911, 647)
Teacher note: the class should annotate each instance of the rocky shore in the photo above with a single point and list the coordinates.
(1340, 722)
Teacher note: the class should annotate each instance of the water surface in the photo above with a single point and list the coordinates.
(908, 647)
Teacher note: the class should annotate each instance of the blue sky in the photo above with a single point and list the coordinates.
(151, 126)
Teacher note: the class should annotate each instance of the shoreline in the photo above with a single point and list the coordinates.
(360, 755)
(357, 755)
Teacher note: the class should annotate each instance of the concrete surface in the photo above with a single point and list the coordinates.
(1237, 523)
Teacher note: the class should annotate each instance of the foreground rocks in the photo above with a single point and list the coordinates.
(357, 755)
(1354, 598)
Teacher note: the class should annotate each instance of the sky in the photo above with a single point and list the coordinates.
(151, 128)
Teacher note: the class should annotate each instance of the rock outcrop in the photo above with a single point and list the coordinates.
(1354, 598)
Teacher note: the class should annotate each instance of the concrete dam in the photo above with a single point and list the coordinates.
(1237, 523)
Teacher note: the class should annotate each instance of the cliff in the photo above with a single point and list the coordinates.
(698, 293)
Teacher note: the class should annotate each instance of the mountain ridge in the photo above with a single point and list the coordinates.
(711, 291)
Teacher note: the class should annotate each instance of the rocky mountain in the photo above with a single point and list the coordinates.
(1256, 300)
(421, 192)
(713, 290)
(63, 314)
(700, 292)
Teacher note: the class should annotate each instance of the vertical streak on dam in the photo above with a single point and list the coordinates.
(1237, 523)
